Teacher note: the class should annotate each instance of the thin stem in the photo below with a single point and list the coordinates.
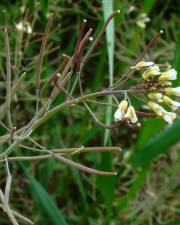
(106, 126)
(102, 103)
(81, 49)
(18, 51)
(37, 122)
(53, 76)
(80, 84)
(75, 150)
(2, 197)
(64, 90)
(37, 144)
(5, 197)
(15, 87)
(62, 82)
(11, 216)
(10, 149)
(17, 84)
(74, 85)
(8, 185)
(8, 78)
(146, 115)
(130, 72)
(81, 167)
(40, 59)
(19, 216)
(78, 41)
(31, 148)
(70, 151)
(99, 37)
(4, 126)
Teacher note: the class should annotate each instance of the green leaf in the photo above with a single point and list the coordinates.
(177, 60)
(108, 9)
(107, 184)
(45, 202)
(44, 6)
(157, 145)
(149, 129)
(147, 5)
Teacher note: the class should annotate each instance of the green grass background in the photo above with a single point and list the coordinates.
(146, 189)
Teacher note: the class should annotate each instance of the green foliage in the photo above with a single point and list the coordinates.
(157, 145)
(149, 129)
(148, 5)
(107, 184)
(135, 188)
(44, 202)
(177, 59)
(90, 200)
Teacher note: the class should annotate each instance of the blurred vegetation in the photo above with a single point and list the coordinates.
(146, 189)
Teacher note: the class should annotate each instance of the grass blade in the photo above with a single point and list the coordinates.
(149, 129)
(157, 145)
(108, 9)
(106, 185)
(147, 5)
(45, 202)
(177, 60)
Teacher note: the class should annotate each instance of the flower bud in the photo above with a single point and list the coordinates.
(142, 20)
(157, 97)
(173, 91)
(131, 114)
(19, 26)
(169, 102)
(169, 117)
(159, 110)
(120, 112)
(142, 64)
(28, 28)
(168, 75)
(151, 71)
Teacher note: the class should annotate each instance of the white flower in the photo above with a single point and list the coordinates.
(157, 97)
(19, 26)
(173, 91)
(121, 111)
(131, 114)
(142, 20)
(28, 28)
(24, 26)
(22, 8)
(141, 24)
(168, 75)
(169, 117)
(169, 102)
(142, 64)
(159, 110)
(131, 8)
(151, 71)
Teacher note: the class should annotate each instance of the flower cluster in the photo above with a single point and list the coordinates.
(24, 26)
(142, 20)
(125, 111)
(159, 87)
